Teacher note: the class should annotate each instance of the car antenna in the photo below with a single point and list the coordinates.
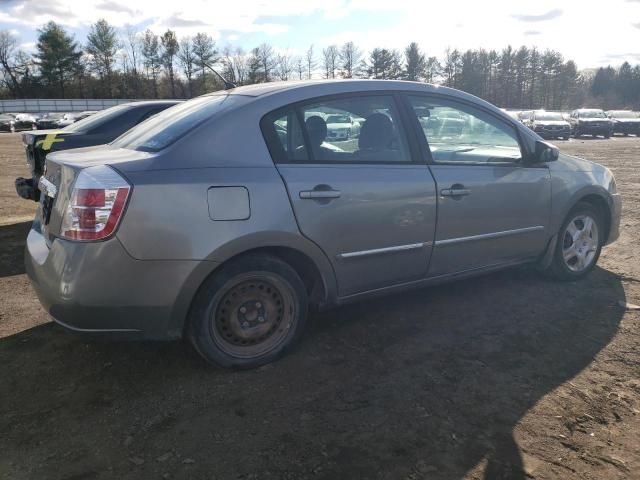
(227, 84)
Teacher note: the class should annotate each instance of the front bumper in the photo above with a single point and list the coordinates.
(97, 287)
(628, 128)
(586, 129)
(564, 133)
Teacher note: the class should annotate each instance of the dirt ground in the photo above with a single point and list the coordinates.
(508, 376)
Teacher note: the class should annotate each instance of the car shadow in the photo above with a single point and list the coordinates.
(12, 240)
(425, 384)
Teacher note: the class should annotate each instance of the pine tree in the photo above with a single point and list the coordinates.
(170, 47)
(416, 63)
(57, 56)
(102, 46)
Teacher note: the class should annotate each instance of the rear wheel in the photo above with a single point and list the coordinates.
(579, 243)
(249, 313)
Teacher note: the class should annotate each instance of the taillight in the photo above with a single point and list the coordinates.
(96, 204)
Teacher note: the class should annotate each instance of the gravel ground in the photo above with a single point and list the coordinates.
(508, 376)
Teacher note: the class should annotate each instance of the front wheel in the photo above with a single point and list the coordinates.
(579, 243)
(249, 313)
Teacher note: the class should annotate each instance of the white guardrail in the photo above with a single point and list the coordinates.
(37, 105)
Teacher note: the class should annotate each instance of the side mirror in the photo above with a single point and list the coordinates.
(545, 152)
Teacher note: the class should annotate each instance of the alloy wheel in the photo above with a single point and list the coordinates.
(580, 243)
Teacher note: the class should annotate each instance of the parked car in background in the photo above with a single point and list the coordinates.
(25, 121)
(341, 127)
(625, 122)
(549, 125)
(515, 114)
(590, 121)
(7, 123)
(96, 129)
(50, 120)
(224, 218)
(67, 119)
(525, 115)
(85, 114)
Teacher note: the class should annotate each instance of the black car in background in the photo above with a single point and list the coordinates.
(625, 122)
(7, 123)
(548, 125)
(98, 129)
(25, 121)
(590, 121)
(49, 120)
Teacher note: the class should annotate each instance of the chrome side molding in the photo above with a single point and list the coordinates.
(485, 236)
(379, 251)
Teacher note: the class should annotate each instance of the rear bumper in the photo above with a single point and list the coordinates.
(566, 133)
(96, 287)
(616, 213)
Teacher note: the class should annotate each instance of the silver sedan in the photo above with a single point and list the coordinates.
(226, 217)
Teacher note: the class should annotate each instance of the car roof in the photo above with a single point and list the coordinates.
(348, 85)
(284, 93)
(150, 102)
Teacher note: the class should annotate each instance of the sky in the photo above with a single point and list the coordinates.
(591, 33)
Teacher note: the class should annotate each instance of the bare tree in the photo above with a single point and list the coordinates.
(330, 57)
(298, 61)
(311, 62)
(235, 64)
(8, 55)
(187, 60)
(284, 66)
(267, 60)
(131, 45)
(350, 57)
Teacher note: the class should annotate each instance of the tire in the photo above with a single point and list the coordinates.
(607, 135)
(576, 134)
(249, 313)
(569, 263)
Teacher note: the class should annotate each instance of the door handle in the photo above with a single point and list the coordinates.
(455, 192)
(315, 194)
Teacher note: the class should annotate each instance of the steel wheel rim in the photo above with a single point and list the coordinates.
(580, 243)
(252, 315)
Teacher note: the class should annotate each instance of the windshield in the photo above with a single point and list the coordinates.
(592, 114)
(169, 125)
(624, 114)
(338, 119)
(96, 120)
(549, 116)
(53, 115)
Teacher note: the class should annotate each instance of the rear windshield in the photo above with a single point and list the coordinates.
(592, 114)
(166, 127)
(97, 119)
(549, 116)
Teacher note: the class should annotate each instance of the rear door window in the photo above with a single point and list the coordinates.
(349, 129)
